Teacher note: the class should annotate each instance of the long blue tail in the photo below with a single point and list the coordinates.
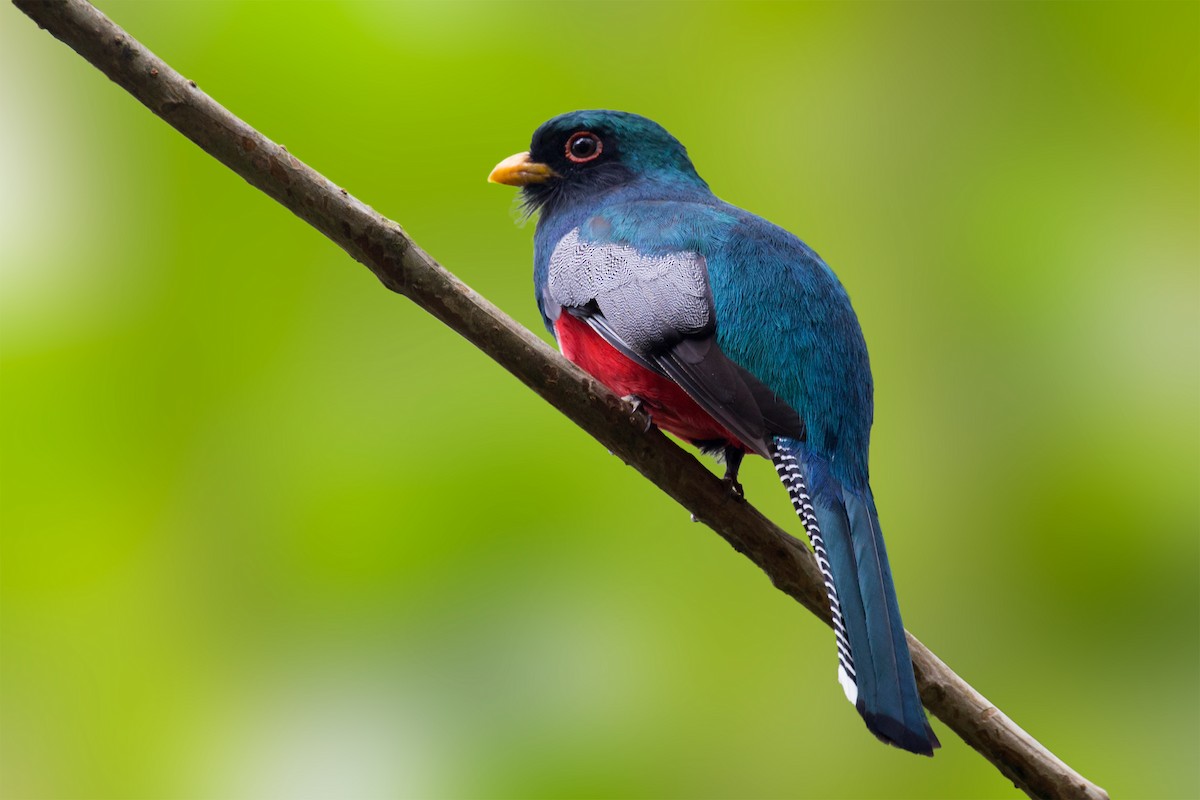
(874, 665)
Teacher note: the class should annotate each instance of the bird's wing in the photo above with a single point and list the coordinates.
(657, 309)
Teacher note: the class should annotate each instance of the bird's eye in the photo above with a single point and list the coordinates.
(583, 146)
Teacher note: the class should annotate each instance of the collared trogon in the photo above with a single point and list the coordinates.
(733, 335)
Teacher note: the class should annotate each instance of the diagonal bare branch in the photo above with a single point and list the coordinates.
(383, 247)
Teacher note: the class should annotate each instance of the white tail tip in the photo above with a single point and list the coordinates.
(848, 685)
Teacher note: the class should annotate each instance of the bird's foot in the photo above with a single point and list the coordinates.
(639, 407)
(733, 461)
(734, 487)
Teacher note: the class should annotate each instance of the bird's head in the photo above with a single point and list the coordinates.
(582, 154)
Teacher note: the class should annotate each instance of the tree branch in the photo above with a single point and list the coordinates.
(383, 247)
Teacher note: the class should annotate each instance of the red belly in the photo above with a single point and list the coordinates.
(670, 407)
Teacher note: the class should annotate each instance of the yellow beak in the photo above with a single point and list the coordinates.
(518, 170)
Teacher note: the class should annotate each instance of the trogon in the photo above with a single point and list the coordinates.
(734, 335)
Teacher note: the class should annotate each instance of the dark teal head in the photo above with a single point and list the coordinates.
(584, 153)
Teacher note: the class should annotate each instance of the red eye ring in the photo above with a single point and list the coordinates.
(578, 147)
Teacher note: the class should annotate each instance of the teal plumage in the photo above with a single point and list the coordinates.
(736, 336)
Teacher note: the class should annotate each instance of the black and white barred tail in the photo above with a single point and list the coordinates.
(793, 480)
(874, 664)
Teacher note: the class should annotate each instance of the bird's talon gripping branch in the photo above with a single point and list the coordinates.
(733, 462)
(638, 406)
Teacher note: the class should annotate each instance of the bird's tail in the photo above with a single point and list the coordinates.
(874, 665)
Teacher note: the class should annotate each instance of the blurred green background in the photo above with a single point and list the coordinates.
(270, 531)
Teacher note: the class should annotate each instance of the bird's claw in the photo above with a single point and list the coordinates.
(639, 407)
(733, 461)
(734, 487)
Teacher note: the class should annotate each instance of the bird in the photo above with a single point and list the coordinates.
(734, 335)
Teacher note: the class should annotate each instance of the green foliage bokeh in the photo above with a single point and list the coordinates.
(269, 530)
